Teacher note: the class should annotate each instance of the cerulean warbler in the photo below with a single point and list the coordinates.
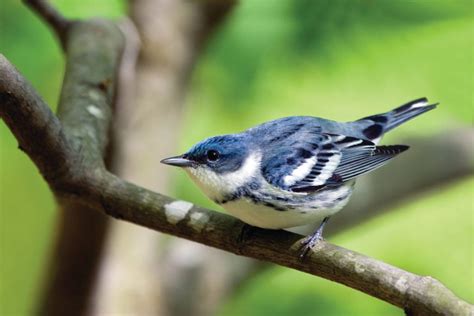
(295, 170)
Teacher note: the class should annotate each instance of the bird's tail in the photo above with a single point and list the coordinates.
(382, 123)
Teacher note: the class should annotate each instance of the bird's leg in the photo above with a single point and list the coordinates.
(245, 232)
(309, 242)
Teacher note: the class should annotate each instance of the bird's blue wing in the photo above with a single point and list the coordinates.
(320, 160)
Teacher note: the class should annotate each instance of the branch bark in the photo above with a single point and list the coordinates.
(90, 184)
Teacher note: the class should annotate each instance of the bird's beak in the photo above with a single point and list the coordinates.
(178, 161)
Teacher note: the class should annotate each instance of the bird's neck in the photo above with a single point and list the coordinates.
(218, 185)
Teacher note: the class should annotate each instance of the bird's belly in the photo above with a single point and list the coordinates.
(267, 217)
(299, 211)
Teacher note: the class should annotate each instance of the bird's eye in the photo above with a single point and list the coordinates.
(212, 155)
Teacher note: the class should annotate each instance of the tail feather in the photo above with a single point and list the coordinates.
(407, 112)
(382, 123)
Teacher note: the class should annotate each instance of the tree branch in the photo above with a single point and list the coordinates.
(50, 15)
(29, 118)
(105, 192)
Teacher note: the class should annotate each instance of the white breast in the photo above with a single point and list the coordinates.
(300, 211)
(324, 204)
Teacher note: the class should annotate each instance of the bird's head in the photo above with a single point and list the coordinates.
(218, 164)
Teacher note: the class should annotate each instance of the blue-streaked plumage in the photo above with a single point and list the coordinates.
(294, 170)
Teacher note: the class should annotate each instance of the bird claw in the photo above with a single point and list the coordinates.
(245, 232)
(309, 243)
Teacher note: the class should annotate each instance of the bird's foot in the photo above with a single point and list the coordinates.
(309, 243)
(245, 233)
(312, 240)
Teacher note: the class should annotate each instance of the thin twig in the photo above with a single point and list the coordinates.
(52, 17)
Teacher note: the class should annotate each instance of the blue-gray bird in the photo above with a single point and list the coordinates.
(295, 170)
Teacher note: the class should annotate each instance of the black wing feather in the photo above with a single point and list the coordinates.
(300, 157)
(356, 159)
(379, 157)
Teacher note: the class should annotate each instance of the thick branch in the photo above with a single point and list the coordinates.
(29, 118)
(105, 192)
(93, 50)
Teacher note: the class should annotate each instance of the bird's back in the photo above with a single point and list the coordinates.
(289, 130)
(304, 153)
(369, 128)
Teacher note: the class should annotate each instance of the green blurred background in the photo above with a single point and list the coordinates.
(336, 59)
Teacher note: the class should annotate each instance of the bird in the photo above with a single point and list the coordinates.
(295, 170)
